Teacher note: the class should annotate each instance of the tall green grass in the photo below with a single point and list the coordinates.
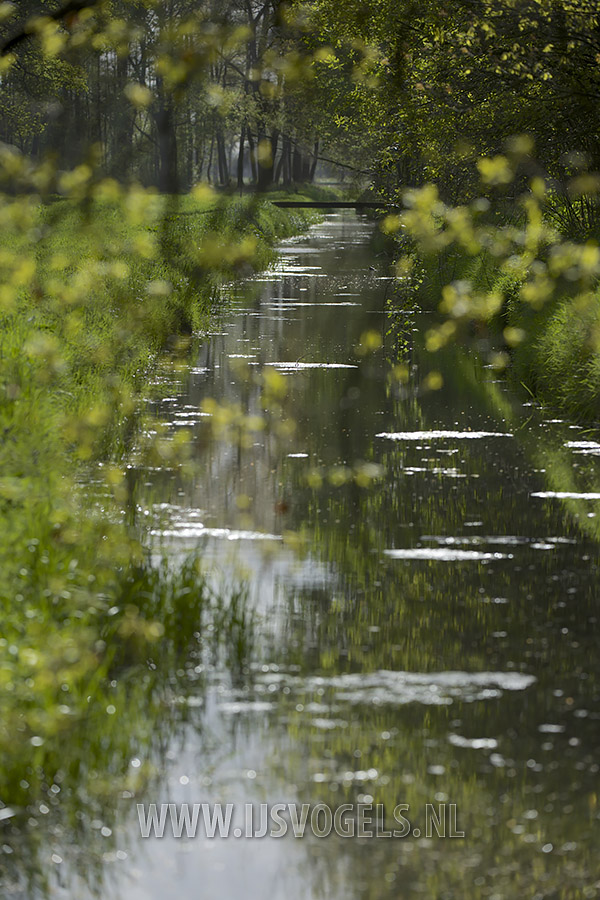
(557, 358)
(94, 637)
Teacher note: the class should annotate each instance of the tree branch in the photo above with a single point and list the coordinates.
(145, 134)
(334, 162)
(67, 9)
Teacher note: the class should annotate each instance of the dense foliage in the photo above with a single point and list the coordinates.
(170, 92)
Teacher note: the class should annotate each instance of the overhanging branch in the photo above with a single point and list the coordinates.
(67, 9)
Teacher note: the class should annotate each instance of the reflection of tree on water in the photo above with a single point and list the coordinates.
(64, 823)
(360, 613)
(518, 798)
(432, 618)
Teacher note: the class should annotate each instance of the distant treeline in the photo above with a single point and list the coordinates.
(235, 115)
(403, 92)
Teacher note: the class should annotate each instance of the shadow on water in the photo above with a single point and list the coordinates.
(424, 612)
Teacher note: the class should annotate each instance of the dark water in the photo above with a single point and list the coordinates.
(426, 626)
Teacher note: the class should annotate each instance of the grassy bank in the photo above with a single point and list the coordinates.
(554, 347)
(560, 364)
(527, 296)
(92, 291)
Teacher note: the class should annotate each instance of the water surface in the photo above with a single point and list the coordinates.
(423, 564)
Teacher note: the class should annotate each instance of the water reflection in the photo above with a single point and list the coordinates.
(429, 638)
(426, 636)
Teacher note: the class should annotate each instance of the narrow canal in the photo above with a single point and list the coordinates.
(419, 548)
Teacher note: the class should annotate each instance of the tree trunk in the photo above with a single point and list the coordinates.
(280, 164)
(240, 159)
(168, 181)
(222, 158)
(287, 161)
(252, 156)
(267, 168)
(315, 162)
(305, 168)
(122, 138)
(297, 165)
(198, 162)
(210, 158)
